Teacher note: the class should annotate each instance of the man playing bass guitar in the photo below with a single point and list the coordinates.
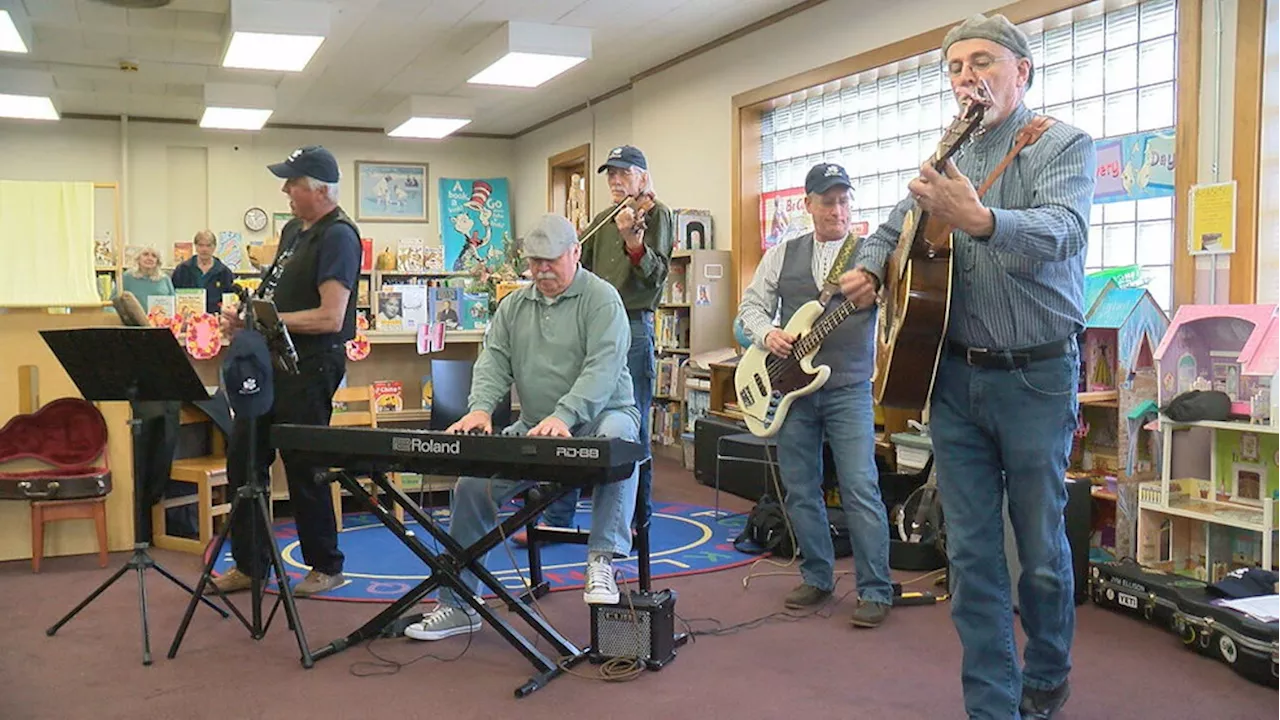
(791, 274)
(1004, 400)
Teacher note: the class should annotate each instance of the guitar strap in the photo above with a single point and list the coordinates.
(831, 286)
(1026, 136)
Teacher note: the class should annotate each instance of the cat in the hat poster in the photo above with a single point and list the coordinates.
(475, 222)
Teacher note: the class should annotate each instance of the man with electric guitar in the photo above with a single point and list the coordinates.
(781, 393)
(1003, 402)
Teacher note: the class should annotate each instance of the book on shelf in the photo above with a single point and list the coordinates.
(388, 396)
(697, 405)
(390, 311)
(673, 291)
(671, 330)
(411, 256)
(475, 311)
(366, 254)
(444, 306)
(664, 423)
(413, 301)
(667, 383)
(182, 252)
(433, 258)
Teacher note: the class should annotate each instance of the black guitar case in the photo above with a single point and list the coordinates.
(1250, 647)
(1146, 593)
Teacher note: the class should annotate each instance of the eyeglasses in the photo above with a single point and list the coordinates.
(981, 64)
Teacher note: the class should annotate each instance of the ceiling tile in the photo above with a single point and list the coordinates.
(153, 19)
(98, 16)
(52, 10)
(109, 43)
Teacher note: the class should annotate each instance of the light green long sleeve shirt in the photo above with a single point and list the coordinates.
(567, 356)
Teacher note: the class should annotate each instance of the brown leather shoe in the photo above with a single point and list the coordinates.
(869, 614)
(317, 582)
(805, 596)
(233, 581)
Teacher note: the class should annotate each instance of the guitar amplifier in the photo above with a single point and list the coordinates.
(641, 625)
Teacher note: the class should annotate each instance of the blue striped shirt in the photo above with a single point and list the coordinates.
(1023, 286)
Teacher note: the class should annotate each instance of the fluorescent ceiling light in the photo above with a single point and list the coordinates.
(27, 107)
(271, 51)
(428, 127)
(10, 38)
(279, 35)
(520, 69)
(430, 117)
(226, 118)
(522, 54)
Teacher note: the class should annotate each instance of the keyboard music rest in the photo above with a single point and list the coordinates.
(565, 461)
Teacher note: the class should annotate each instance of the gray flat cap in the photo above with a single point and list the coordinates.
(997, 29)
(551, 238)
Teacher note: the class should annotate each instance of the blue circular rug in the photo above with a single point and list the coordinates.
(683, 540)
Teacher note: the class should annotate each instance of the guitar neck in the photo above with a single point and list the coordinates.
(829, 322)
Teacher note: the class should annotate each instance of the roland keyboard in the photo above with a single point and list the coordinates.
(567, 461)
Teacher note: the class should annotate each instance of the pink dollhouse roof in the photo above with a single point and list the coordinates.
(1257, 315)
(1258, 356)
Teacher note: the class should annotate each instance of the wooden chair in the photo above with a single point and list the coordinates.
(366, 417)
(47, 511)
(209, 475)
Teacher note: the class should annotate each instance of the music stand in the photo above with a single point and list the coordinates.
(128, 364)
(255, 494)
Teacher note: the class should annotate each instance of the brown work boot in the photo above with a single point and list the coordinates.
(317, 582)
(805, 596)
(869, 614)
(233, 581)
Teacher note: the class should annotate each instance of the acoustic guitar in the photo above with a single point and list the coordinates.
(916, 295)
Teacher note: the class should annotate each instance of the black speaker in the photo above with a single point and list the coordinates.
(1078, 521)
(707, 432)
(641, 626)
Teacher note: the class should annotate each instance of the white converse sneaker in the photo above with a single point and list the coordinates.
(601, 588)
(444, 622)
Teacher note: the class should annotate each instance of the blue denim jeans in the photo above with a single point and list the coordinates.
(844, 417)
(643, 366)
(1001, 434)
(474, 510)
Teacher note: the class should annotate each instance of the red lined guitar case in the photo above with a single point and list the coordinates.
(65, 444)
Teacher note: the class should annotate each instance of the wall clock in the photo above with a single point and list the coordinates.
(255, 219)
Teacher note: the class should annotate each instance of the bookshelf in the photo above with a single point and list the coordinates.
(108, 240)
(694, 316)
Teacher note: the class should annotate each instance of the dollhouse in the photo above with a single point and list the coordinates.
(1123, 327)
(1258, 359)
(1214, 509)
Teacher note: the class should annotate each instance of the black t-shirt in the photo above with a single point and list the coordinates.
(328, 250)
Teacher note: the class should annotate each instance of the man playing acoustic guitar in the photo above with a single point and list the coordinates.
(791, 274)
(1004, 400)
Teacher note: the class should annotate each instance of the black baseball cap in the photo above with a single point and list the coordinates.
(824, 176)
(247, 374)
(309, 161)
(625, 156)
(1245, 582)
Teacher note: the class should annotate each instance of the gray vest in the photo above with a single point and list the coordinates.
(850, 349)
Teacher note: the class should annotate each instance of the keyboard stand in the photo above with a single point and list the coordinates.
(446, 568)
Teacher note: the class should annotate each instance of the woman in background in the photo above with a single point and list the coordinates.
(205, 271)
(147, 280)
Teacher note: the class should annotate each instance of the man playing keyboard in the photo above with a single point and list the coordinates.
(563, 343)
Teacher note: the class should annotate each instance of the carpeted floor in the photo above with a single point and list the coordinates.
(813, 668)
(684, 540)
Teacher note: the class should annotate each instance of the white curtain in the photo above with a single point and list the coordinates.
(46, 244)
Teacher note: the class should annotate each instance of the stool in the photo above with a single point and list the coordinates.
(47, 511)
(751, 450)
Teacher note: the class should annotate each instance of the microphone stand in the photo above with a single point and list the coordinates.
(252, 497)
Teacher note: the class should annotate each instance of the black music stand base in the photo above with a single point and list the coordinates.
(256, 498)
(140, 561)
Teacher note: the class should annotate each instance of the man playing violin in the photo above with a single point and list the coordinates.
(633, 253)
(1004, 399)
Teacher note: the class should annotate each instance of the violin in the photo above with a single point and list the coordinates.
(640, 203)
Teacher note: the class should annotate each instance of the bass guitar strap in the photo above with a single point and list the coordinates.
(831, 285)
